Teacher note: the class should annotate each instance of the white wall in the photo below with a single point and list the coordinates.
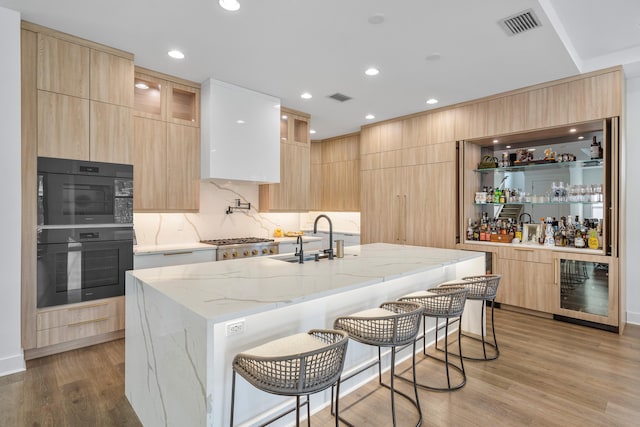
(11, 356)
(631, 233)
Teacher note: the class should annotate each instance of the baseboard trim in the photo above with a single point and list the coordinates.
(633, 318)
(12, 364)
(34, 353)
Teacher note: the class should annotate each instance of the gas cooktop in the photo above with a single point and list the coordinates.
(236, 241)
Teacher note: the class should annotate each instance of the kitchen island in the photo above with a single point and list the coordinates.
(184, 324)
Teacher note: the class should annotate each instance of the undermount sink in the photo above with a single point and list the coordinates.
(307, 258)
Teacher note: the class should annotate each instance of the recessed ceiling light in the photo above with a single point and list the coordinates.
(240, 121)
(372, 71)
(495, 141)
(378, 18)
(432, 101)
(581, 137)
(141, 85)
(573, 130)
(284, 117)
(312, 131)
(306, 95)
(230, 5)
(176, 54)
(369, 117)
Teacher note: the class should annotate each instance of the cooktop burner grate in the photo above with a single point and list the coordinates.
(236, 241)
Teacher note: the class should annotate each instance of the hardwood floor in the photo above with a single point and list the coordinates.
(549, 373)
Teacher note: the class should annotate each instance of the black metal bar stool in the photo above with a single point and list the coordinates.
(394, 324)
(297, 365)
(447, 303)
(481, 288)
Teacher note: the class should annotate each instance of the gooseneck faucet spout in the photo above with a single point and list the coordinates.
(315, 230)
(299, 251)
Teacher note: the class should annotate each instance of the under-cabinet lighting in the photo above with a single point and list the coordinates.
(573, 130)
(230, 5)
(581, 137)
(508, 146)
(176, 54)
(141, 86)
(495, 141)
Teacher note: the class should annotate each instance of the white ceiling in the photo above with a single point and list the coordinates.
(286, 47)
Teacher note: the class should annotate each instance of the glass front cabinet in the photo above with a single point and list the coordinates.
(545, 204)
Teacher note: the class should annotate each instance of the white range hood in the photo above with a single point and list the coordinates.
(240, 134)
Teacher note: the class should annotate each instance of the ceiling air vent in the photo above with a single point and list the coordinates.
(521, 22)
(340, 97)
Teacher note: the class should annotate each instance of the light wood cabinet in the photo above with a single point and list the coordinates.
(63, 126)
(71, 74)
(63, 66)
(150, 164)
(166, 143)
(292, 194)
(183, 167)
(315, 176)
(110, 137)
(111, 78)
(71, 322)
(183, 104)
(527, 284)
(379, 206)
(339, 174)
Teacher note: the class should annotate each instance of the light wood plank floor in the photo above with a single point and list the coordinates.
(549, 374)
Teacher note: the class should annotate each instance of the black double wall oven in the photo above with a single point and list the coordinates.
(85, 230)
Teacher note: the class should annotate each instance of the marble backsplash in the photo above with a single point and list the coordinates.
(212, 222)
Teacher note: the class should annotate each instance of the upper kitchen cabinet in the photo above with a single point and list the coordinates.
(292, 193)
(149, 96)
(183, 104)
(166, 143)
(63, 66)
(340, 174)
(84, 99)
(240, 134)
(111, 77)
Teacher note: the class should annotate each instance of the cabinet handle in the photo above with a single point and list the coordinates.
(100, 304)
(178, 253)
(555, 272)
(84, 322)
(404, 219)
(397, 222)
(523, 250)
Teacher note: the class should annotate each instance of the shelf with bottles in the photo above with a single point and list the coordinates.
(545, 202)
(521, 167)
(549, 233)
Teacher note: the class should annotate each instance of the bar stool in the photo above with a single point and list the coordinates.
(447, 303)
(394, 324)
(481, 288)
(297, 365)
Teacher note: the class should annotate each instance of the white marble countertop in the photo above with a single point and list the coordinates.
(175, 247)
(220, 291)
(326, 231)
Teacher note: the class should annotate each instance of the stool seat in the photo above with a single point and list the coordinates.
(295, 365)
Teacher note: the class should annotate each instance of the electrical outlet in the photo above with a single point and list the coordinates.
(235, 328)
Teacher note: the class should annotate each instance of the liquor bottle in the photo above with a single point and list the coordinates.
(593, 239)
(548, 234)
(595, 150)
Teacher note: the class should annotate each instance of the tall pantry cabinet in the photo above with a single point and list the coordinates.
(76, 104)
(408, 181)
